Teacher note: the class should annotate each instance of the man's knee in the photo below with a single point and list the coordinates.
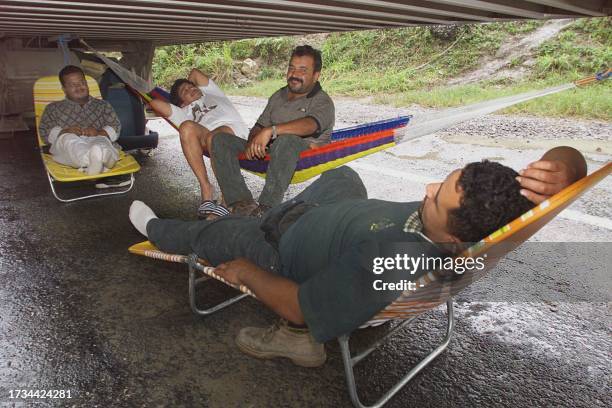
(190, 129)
(342, 172)
(347, 177)
(288, 143)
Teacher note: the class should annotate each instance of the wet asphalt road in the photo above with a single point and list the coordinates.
(78, 313)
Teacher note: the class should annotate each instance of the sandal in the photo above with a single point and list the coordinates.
(210, 208)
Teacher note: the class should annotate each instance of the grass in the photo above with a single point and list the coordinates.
(403, 66)
(589, 102)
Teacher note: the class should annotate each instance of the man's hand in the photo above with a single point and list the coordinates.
(90, 131)
(197, 77)
(233, 271)
(256, 148)
(544, 178)
(254, 131)
(72, 129)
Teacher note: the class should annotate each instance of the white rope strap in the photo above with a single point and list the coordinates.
(165, 257)
(210, 271)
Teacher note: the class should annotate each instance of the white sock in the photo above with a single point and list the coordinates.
(140, 215)
(108, 158)
(95, 161)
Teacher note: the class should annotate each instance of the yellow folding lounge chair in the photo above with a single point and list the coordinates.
(430, 292)
(49, 89)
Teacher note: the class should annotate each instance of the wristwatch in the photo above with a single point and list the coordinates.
(274, 134)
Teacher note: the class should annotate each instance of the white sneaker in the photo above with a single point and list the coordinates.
(96, 161)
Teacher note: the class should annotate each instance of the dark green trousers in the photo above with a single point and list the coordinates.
(233, 236)
(284, 155)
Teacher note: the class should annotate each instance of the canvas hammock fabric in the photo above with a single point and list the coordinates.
(359, 141)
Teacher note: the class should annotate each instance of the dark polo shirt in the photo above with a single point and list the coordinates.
(329, 252)
(317, 105)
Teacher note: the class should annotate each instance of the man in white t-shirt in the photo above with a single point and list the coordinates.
(200, 110)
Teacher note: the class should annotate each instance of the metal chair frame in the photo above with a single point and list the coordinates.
(68, 200)
(348, 361)
(351, 361)
(194, 282)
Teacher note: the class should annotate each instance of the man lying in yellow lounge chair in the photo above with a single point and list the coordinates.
(80, 129)
(312, 259)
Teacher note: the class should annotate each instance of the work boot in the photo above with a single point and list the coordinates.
(280, 340)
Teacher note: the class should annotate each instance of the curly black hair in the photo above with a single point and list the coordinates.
(303, 50)
(175, 99)
(490, 199)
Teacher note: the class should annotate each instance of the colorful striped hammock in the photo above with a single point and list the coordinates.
(346, 145)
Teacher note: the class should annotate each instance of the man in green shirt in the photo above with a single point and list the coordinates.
(297, 117)
(311, 259)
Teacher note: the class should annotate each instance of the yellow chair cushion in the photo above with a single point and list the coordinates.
(49, 89)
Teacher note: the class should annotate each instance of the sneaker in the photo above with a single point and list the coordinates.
(113, 182)
(243, 207)
(280, 340)
(95, 163)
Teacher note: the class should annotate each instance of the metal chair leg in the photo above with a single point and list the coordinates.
(193, 283)
(350, 362)
(68, 200)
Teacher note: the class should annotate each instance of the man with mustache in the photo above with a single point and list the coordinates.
(310, 259)
(297, 117)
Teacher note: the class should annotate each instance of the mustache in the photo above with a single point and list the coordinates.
(296, 79)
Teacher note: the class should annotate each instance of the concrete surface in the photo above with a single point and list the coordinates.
(77, 312)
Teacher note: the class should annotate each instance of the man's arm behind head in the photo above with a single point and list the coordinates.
(558, 168)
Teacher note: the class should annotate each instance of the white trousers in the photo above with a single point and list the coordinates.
(73, 150)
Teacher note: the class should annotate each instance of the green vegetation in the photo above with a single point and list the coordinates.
(583, 48)
(590, 102)
(217, 58)
(413, 65)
